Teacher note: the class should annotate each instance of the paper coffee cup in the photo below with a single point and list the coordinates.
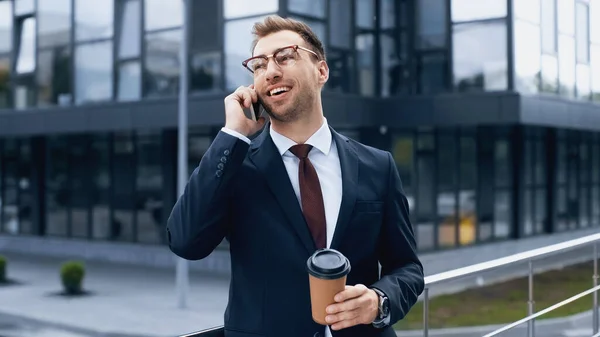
(327, 272)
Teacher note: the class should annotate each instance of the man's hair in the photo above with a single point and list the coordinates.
(275, 23)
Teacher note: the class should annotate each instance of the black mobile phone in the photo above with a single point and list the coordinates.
(256, 110)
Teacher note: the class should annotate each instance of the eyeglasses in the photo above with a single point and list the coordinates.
(283, 57)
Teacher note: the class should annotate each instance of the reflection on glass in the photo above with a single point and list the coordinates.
(340, 25)
(130, 78)
(238, 39)
(432, 72)
(121, 225)
(57, 196)
(314, 8)
(566, 16)
(23, 96)
(549, 73)
(595, 71)
(566, 67)
(241, 8)
(23, 7)
(100, 186)
(391, 66)
(486, 69)
(149, 188)
(93, 72)
(595, 23)
(365, 14)
(54, 20)
(502, 214)
(4, 84)
(129, 35)
(26, 57)
(583, 81)
(527, 56)
(339, 71)
(160, 14)
(162, 63)
(365, 63)
(548, 25)
(205, 72)
(5, 26)
(527, 10)
(581, 33)
(469, 10)
(93, 21)
(78, 177)
(431, 24)
(54, 76)
(387, 14)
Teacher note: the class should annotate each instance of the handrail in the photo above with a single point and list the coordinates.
(210, 332)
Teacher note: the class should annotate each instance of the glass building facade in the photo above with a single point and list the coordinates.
(489, 107)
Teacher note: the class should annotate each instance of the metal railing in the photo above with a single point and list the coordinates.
(479, 268)
(529, 257)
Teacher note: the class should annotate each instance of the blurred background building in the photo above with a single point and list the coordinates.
(490, 108)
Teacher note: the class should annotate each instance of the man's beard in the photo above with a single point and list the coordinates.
(301, 103)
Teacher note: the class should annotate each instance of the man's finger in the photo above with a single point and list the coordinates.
(342, 316)
(350, 292)
(345, 306)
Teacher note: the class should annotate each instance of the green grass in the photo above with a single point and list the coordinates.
(506, 302)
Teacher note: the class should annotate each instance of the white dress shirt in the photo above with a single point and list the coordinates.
(324, 157)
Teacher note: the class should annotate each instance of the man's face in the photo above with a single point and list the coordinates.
(288, 91)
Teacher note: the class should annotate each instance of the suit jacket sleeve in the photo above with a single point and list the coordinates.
(198, 221)
(402, 278)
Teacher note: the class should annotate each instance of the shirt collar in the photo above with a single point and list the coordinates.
(320, 140)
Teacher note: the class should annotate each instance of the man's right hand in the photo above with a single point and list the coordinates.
(241, 98)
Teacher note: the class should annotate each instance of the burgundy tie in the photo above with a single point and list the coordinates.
(311, 196)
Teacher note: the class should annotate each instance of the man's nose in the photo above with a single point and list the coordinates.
(273, 70)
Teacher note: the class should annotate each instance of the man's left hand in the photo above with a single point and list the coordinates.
(355, 305)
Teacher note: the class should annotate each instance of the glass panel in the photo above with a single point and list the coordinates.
(160, 14)
(318, 27)
(123, 179)
(432, 73)
(340, 24)
(24, 6)
(205, 71)
(240, 8)
(93, 72)
(387, 14)
(596, 164)
(581, 34)
(100, 189)
(595, 71)
(365, 14)
(78, 180)
(549, 74)
(365, 63)
(527, 10)
(149, 188)
(502, 163)
(339, 71)
(23, 96)
(425, 207)
(527, 213)
(314, 8)
(584, 216)
(58, 197)
(391, 67)
(595, 24)
(446, 197)
(25, 187)
(562, 217)
(527, 56)
(162, 63)
(486, 69)
(5, 26)
(566, 68)
(595, 203)
(54, 19)
(540, 163)
(549, 26)
(502, 214)
(93, 20)
(402, 152)
(431, 22)
(54, 76)
(540, 210)
(469, 10)
(130, 81)
(129, 20)
(4, 81)
(238, 37)
(566, 16)
(26, 57)
(583, 81)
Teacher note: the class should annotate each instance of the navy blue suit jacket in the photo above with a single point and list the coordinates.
(242, 192)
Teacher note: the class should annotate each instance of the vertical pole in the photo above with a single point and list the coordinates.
(595, 277)
(426, 313)
(182, 280)
(530, 311)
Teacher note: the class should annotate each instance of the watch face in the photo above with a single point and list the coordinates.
(385, 306)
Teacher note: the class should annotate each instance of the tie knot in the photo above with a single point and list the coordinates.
(301, 150)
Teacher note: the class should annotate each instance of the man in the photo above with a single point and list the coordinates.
(276, 204)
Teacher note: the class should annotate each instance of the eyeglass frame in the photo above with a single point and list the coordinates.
(267, 57)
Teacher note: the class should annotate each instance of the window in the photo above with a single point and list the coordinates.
(549, 74)
(130, 75)
(469, 10)
(581, 33)
(486, 69)
(566, 57)
(4, 83)
(387, 13)
(54, 76)
(365, 13)
(340, 24)
(129, 31)
(26, 56)
(594, 12)
(548, 26)
(314, 8)
(318, 27)
(205, 72)
(162, 14)
(566, 16)
(527, 56)
(54, 20)
(433, 73)
(237, 48)
(595, 71)
(162, 62)
(93, 72)
(23, 7)
(241, 8)
(93, 20)
(5, 26)
(431, 24)
(527, 10)
(583, 81)
(365, 55)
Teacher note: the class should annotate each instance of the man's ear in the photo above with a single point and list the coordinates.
(323, 69)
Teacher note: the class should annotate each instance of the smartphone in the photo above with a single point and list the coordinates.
(256, 110)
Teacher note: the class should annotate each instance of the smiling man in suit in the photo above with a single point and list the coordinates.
(297, 187)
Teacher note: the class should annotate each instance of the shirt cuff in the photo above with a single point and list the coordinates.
(236, 134)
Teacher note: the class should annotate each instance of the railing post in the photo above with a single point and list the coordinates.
(531, 323)
(426, 312)
(595, 295)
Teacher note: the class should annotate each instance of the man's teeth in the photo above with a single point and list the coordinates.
(278, 90)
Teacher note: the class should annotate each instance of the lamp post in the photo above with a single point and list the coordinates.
(182, 270)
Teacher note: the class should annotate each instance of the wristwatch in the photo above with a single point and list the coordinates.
(383, 315)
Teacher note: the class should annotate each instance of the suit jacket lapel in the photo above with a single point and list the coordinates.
(349, 166)
(266, 157)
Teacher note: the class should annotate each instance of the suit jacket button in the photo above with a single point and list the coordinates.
(219, 173)
(226, 152)
(220, 166)
(223, 159)
(318, 334)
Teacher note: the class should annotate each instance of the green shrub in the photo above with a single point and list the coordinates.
(2, 268)
(71, 274)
